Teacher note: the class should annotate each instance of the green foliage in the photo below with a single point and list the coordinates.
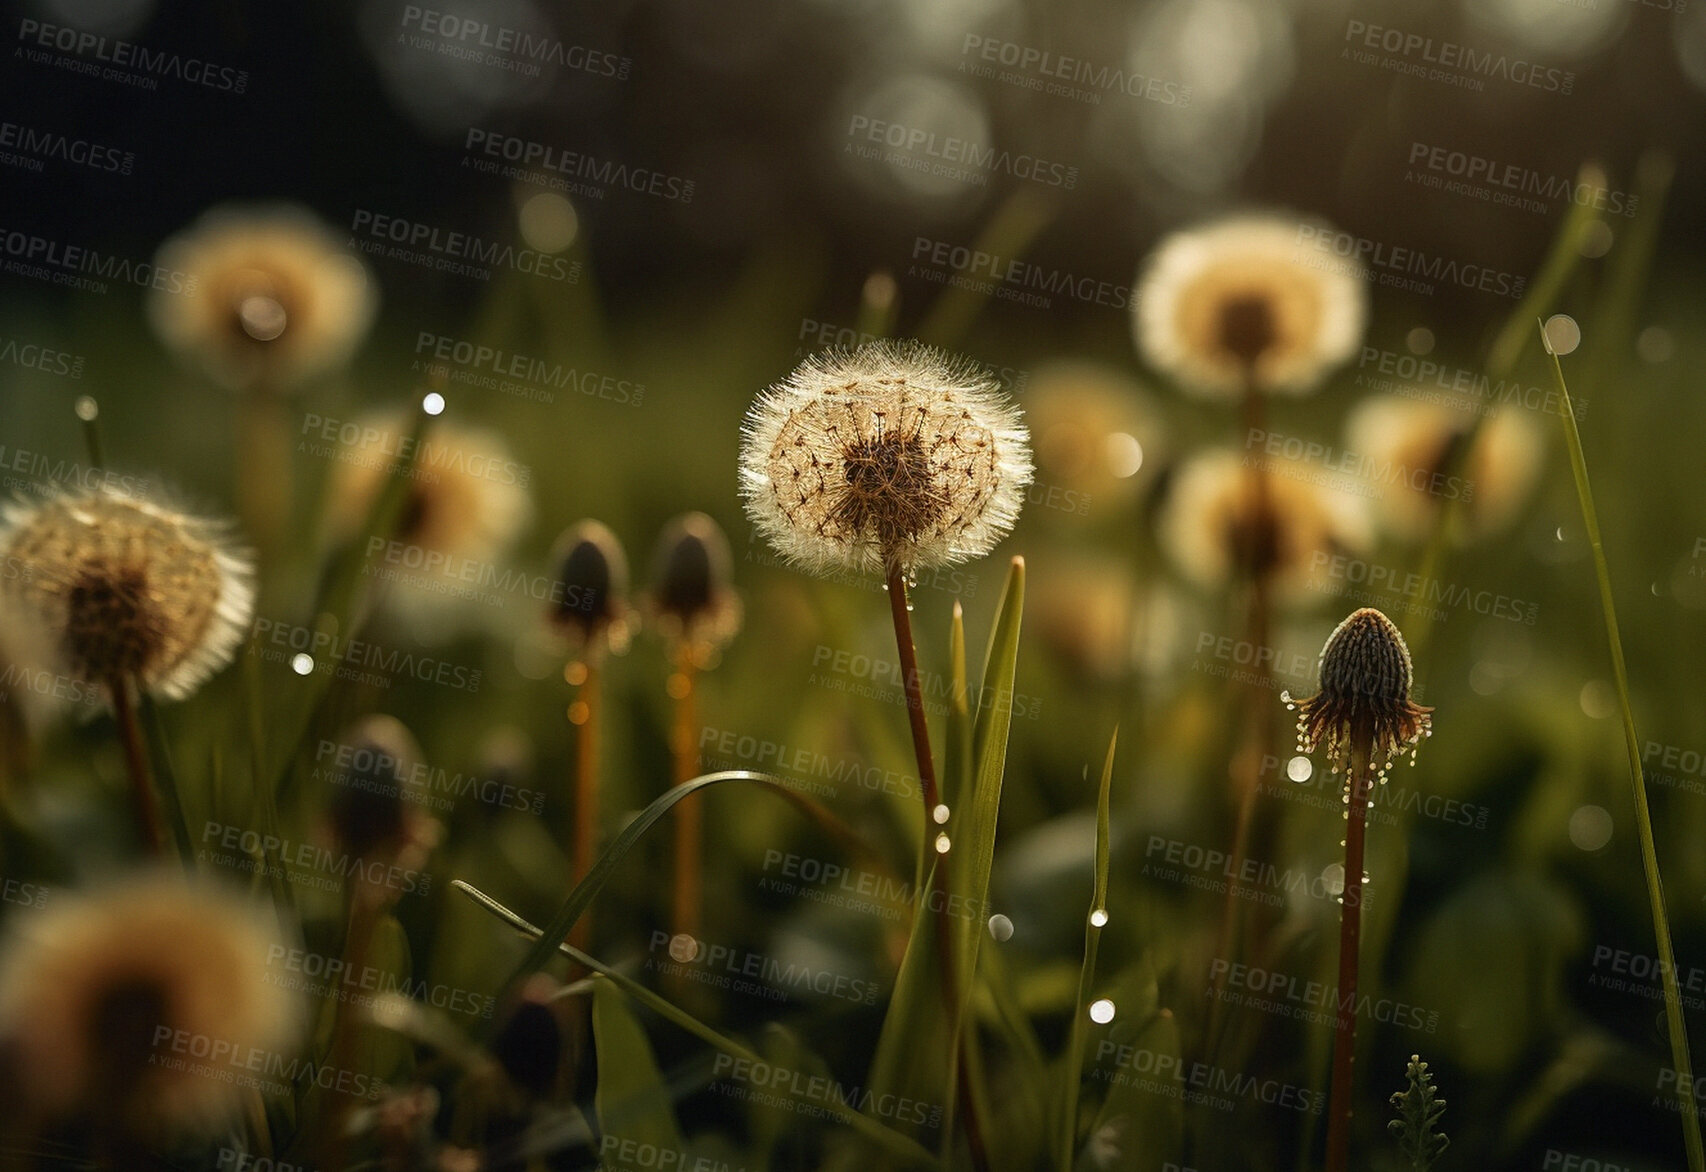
(1419, 1110)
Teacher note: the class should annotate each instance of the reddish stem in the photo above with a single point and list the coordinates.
(136, 763)
(1350, 938)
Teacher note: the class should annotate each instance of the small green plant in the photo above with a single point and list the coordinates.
(1419, 1109)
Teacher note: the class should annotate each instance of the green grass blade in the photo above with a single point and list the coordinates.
(974, 823)
(582, 896)
(1093, 923)
(911, 1153)
(1643, 817)
(632, 1099)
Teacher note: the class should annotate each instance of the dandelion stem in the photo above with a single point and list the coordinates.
(1257, 743)
(902, 612)
(136, 763)
(1359, 786)
(689, 835)
(584, 714)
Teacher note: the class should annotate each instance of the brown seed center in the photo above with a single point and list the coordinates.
(112, 626)
(1248, 329)
(888, 490)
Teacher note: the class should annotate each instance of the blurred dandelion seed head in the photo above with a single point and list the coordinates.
(275, 301)
(894, 457)
(692, 598)
(95, 990)
(1208, 525)
(1363, 705)
(1408, 440)
(1237, 302)
(115, 586)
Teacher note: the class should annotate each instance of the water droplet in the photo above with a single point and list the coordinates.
(1563, 335)
(1597, 239)
(1000, 928)
(302, 663)
(1102, 1011)
(683, 947)
(1300, 769)
(433, 403)
(1590, 827)
(87, 409)
(1099, 918)
(942, 844)
(940, 814)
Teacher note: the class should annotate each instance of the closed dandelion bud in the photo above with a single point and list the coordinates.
(374, 810)
(1242, 304)
(111, 587)
(1363, 707)
(103, 998)
(590, 604)
(530, 1045)
(891, 459)
(691, 598)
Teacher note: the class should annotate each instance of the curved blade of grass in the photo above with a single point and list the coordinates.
(1087, 974)
(632, 1099)
(578, 899)
(1643, 817)
(912, 1153)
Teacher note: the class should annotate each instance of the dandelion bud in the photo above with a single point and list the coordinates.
(109, 587)
(893, 458)
(1363, 706)
(530, 1045)
(591, 603)
(691, 595)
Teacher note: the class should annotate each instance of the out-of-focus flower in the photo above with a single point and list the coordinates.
(1363, 708)
(891, 459)
(590, 602)
(1245, 303)
(118, 1006)
(1092, 432)
(692, 598)
(1208, 524)
(1083, 610)
(467, 502)
(275, 298)
(376, 808)
(1403, 444)
(109, 587)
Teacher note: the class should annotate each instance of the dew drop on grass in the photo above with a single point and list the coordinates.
(940, 814)
(942, 844)
(433, 403)
(302, 663)
(1000, 928)
(87, 409)
(1099, 918)
(1102, 1011)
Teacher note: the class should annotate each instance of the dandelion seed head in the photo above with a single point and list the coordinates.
(1495, 477)
(114, 586)
(1210, 526)
(89, 984)
(893, 457)
(1237, 302)
(1363, 705)
(271, 297)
